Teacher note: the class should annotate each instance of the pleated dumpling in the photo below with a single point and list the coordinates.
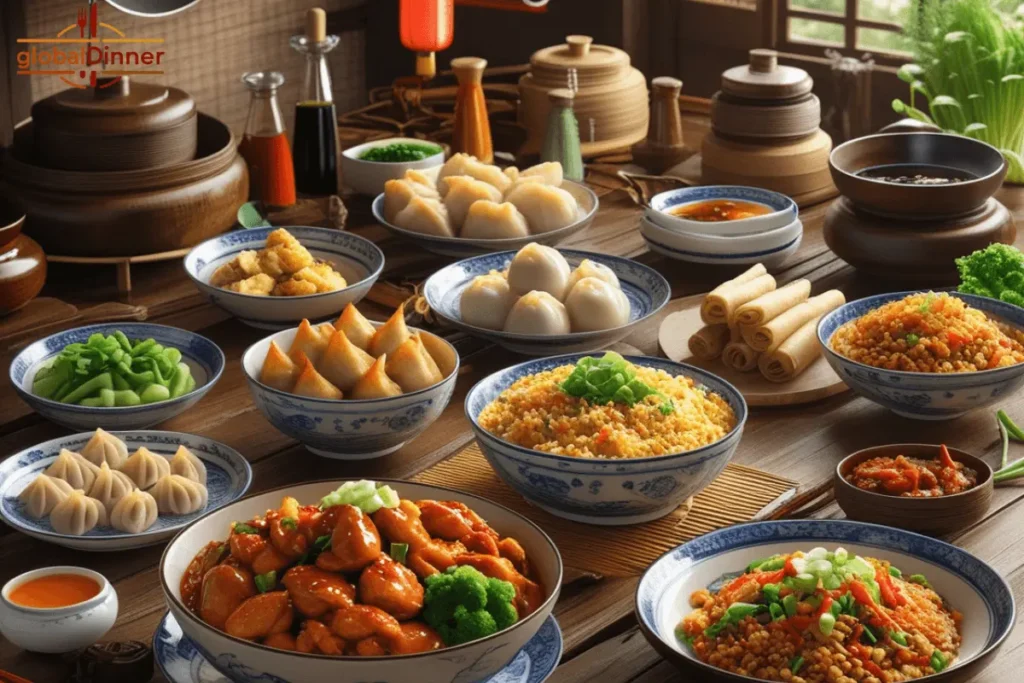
(187, 464)
(176, 495)
(463, 191)
(356, 327)
(375, 383)
(344, 362)
(537, 313)
(144, 467)
(593, 304)
(310, 341)
(549, 172)
(537, 267)
(421, 178)
(77, 514)
(110, 486)
(545, 207)
(464, 164)
(42, 494)
(511, 172)
(279, 371)
(104, 447)
(427, 216)
(390, 335)
(588, 268)
(134, 513)
(74, 469)
(487, 301)
(487, 220)
(411, 367)
(399, 192)
(312, 384)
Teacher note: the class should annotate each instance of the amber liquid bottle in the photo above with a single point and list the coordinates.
(265, 144)
(315, 143)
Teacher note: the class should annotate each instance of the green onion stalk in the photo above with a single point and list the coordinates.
(969, 75)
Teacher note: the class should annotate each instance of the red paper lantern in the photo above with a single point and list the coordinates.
(426, 27)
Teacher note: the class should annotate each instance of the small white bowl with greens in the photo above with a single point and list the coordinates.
(366, 167)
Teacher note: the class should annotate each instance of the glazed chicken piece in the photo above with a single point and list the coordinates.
(529, 594)
(315, 637)
(393, 587)
(355, 542)
(315, 592)
(280, 641)
(287, 538)
(365, 621)
(270, 559)
(261, 616)
(416, 637)
(426, 556)
(224, 588)
(510, 549)
(480, 543)
(452, 520)
(258, 554)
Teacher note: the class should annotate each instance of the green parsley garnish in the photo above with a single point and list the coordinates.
(610, 379)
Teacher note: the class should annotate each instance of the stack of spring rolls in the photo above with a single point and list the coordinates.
(753, 325)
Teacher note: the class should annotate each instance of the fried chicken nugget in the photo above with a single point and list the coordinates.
(260, 284)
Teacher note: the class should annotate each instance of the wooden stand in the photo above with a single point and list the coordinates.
(123, 263)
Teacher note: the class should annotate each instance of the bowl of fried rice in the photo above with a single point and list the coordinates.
(927, 355)
(606, 439)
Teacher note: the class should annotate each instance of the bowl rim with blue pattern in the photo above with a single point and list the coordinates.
(657, 242)
(831, 322)
(653, 588)
(202, 447)
(213, 364)
(660, 292)
(225, 242)
(784, 210)
(731, 395)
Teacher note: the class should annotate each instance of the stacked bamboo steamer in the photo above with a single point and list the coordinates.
(610, 95)
(766, 132)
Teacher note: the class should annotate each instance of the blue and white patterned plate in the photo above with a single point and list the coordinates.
(645, 288)
(228, 478)
(181, 662)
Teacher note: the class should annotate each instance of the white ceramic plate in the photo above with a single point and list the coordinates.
(679, 246)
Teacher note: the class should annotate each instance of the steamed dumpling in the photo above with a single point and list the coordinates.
(422, 179)
(188, 465)
(390, 335)
(399, 192)
(593, 304)
(344, 362)
(176, 495)
(411, 367)
(310, 341)
(487, 301)
(492, 221)
(77, 514)
(464, 164)
(546, 208)
(74, 469)
(104, 447)
(376, 383)
(40, 496)
(110, 486)
(463, 191)
(356, 327)
(144, 467)
(512, 172)
(134, 513)
(539, 267)
(549, 172)
(427, 216)
(279, 371)
(312, 384)
(588, 268)
(537, 313)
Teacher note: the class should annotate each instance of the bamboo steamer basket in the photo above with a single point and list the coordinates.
(793, 168)
(610, 95)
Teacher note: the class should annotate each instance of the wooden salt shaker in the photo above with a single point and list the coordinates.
(472, 134)
(562, 136)
(664, 146)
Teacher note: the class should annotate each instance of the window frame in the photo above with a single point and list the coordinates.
(782, 12)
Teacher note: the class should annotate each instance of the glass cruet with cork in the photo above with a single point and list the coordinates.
(264, 145)
(315, 144)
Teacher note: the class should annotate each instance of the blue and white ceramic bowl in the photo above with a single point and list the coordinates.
(920, 395)
(783, 210)
(645, 288)
(181, 662)
(968, 584)
(203, 357)
(358, 259)
(771, 248)
(460, 247)
(610, 491)
(243, 661)
(228, 478)
(350, 429)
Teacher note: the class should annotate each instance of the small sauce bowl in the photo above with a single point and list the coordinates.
(58, 629)
(936, 515)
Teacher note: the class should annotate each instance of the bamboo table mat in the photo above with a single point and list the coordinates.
(735, 496)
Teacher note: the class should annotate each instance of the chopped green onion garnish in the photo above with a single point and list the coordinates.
(893, 571)
(399, 551)
(826, 622)
(322, 542)
(919, 579)
(796, 664)
(938, 661)
(244, 529)
(869, 634)
(289, 523)
(898, 637)
(265, 582)
(610, 379)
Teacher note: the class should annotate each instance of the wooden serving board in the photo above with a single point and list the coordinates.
(818, 382)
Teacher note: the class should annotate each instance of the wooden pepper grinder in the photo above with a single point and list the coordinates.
(562, 136)
(472, 134)
(664, 146)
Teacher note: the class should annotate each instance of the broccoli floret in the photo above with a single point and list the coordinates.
(463, 605)
(996, 271)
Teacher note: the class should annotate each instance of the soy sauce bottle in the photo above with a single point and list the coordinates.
(315, 143)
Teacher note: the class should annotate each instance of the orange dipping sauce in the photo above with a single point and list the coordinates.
(55, 590)
(718, 210)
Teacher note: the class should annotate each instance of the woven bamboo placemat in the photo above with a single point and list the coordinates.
(737, 495)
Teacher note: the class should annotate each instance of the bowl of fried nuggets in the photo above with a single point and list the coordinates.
(272, 278)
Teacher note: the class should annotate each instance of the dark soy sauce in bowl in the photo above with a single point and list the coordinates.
(917, 174)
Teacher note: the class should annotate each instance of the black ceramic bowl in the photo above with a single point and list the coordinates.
(980, 166)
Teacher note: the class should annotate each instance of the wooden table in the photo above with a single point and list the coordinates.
(602, 642)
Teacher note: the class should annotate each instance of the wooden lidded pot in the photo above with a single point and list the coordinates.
(117, 126)
(22, 262)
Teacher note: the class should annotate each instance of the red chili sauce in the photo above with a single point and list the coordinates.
(718, 210)
(914, 477)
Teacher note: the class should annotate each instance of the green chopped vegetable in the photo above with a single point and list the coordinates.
(266, 582)
(805, 583)
(771, 592)
(239, 528)
(912, 339)
(398, 152)
(399, 551)
(776, 611)
(684, 637)
(938, 661)
(893, 571)
(610, 379)
(898, 637)
(919, 579)
(826, 622)
(289, 523)
(869, 634)
(996, 271)
(796, 664)
(463, 605)
(789, 605)
(768, 564)
(366, 495)
(734, 614)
